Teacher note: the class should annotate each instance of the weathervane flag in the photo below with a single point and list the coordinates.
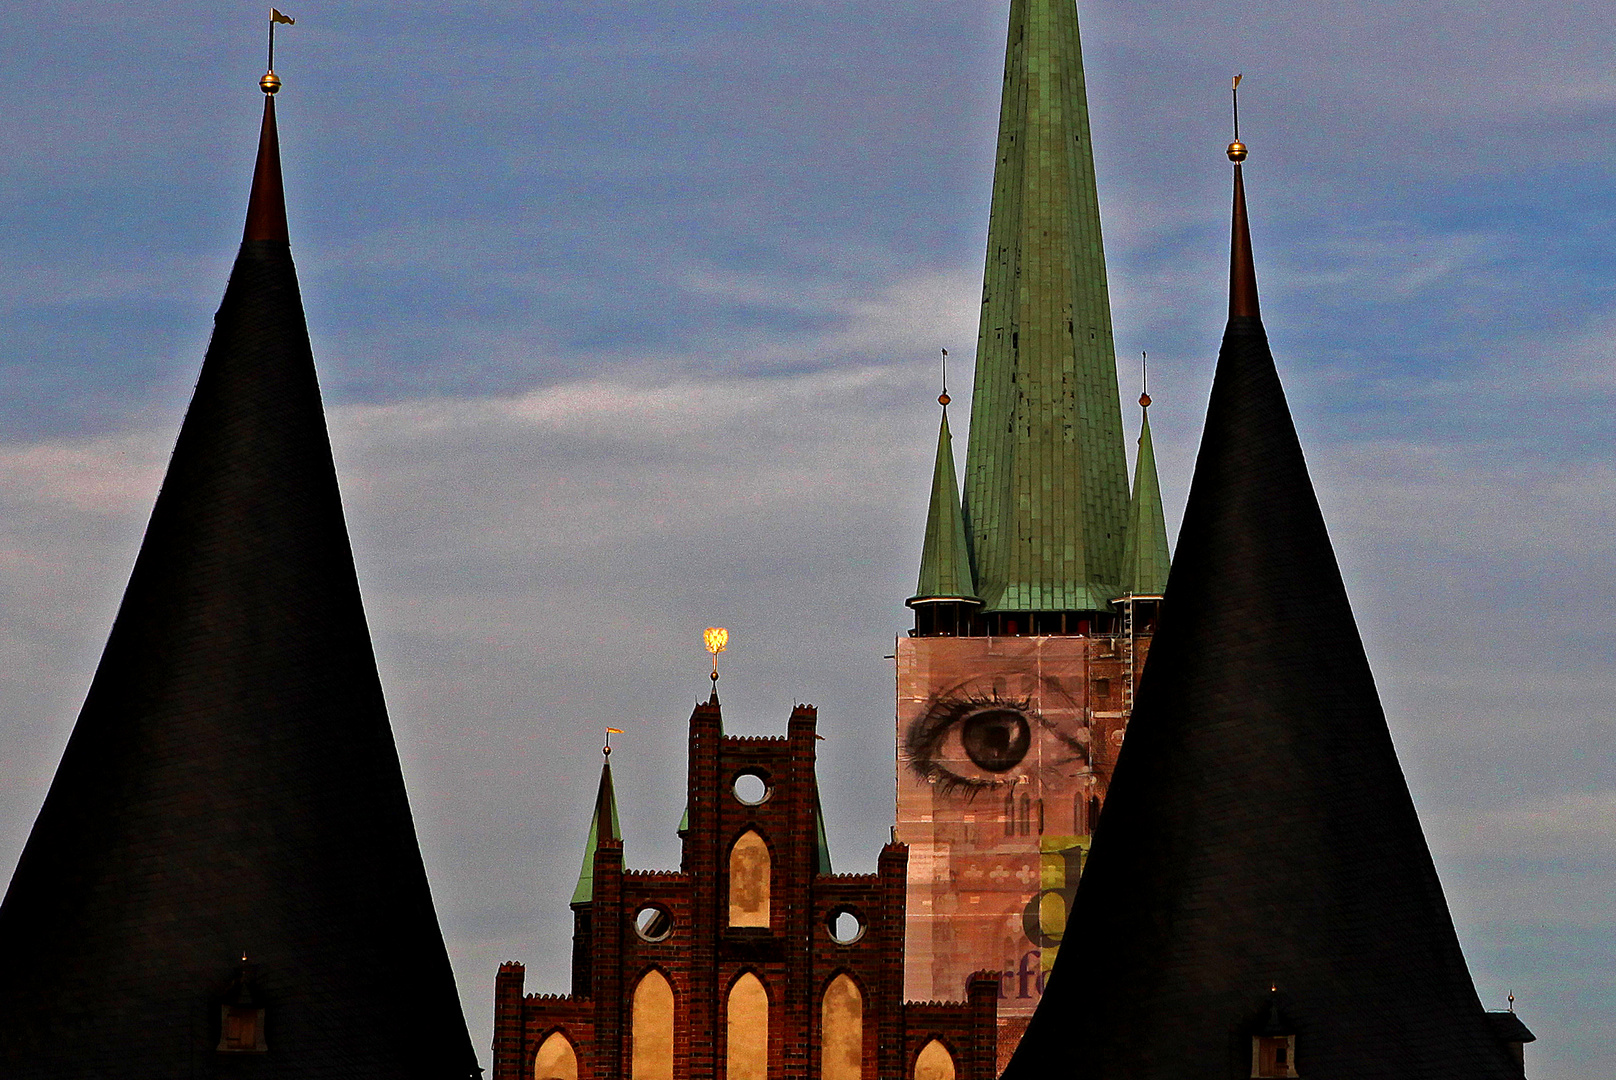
(275, 16)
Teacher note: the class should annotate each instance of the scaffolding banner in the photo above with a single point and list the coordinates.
(1004, 747)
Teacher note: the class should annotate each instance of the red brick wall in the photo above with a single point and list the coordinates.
(795, 957)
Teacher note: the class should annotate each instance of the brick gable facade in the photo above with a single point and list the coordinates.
(703, 955)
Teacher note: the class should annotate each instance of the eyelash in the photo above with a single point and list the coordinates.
(926, 736)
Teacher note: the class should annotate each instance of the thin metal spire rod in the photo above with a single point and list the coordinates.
(1234, 95)
(276, 16)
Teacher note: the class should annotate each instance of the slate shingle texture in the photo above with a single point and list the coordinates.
(231, 785)
(1259, 829)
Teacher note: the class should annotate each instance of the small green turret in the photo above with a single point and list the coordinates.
(602, 826)
(1145, 558)
(945, 557)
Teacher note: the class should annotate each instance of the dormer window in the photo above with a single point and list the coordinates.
(1273, 1043)
(241, 1030)
(241, 1017)
(1273, 1055)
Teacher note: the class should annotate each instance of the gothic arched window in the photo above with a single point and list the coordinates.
(556, 1059)
(651, 1030)
(841, 1047)
(749, 881)
(747, 1024)
(934, 1062)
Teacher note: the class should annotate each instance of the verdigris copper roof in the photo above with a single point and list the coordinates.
(1258, 832)
(1145, 560)
(602, 826)
(231, 786)
(945, 557)
(1046, 478)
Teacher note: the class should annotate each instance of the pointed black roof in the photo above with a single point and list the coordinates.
(1258, 832)
(231, 786)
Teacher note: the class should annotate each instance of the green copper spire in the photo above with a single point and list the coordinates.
(1046, 478)
(822, 851)
(945, 558)
(1144, 556)
(602, 826)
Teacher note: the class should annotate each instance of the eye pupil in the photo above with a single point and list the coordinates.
(996, 739)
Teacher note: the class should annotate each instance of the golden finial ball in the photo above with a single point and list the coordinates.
(270, 83)
(1237, 151)
(1144, 401)
(943, 399)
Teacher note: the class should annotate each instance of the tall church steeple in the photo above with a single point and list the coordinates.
(225, 872)
(1266, 901)
(1012, 699)
(1046, 479)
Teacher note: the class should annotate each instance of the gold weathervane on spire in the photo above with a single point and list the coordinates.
(716, 640)
(943, 399)
(607, 749)
(271, 82)
(1237, 149)
(1144, 380)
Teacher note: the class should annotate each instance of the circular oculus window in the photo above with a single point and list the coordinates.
(750, 788)
(653, 923)
(844, 925)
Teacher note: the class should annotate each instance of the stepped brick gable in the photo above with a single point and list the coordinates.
(752, 960)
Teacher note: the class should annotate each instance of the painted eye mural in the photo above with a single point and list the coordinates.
(970, 739)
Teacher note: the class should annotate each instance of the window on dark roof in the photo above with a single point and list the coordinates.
(1273, 1055)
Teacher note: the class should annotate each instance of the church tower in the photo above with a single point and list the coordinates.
(224, 879)
(1035, 602)
(1261, 901)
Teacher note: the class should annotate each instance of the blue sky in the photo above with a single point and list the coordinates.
(626, 319)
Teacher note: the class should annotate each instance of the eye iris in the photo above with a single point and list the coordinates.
(996, 739)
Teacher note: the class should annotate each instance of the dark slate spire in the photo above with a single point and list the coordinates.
(231, 786)
(1258, 832)
(1046, 473)
(266, 206)
(602, 826)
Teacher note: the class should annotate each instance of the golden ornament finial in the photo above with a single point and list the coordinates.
(716, 639)
(271, 82)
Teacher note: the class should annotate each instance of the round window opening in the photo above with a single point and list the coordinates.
(653, 923)
(751, 789)
(844, 925)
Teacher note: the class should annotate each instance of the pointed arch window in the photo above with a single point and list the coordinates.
(746, 1049)
(651, 1029)
(841, 1044)
(556, 1059)
(934, 1062)
(749, 873)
